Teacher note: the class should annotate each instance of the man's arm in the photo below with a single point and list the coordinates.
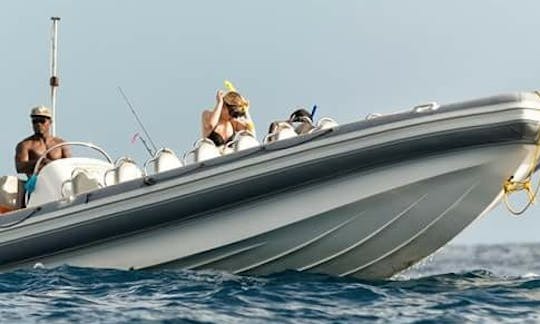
(66, 152)
(23, 164)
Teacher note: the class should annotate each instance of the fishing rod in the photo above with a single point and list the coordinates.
(140, 124)
(138, 136)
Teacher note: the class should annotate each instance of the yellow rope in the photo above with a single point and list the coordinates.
(510, 185)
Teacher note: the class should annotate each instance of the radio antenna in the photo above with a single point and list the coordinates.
(54, 81)
(138, 120)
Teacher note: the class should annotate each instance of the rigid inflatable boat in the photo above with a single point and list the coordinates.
(365, 199)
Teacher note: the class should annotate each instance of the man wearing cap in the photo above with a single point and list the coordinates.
(29, 150)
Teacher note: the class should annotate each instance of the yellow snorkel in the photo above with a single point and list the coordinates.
(230, 87)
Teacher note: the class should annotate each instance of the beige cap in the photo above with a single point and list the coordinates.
(40, 111)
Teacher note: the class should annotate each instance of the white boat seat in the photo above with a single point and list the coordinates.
(204, 149)
(125, 170)
(303, 126)
(243, 140)
(280, 131)
(54, 182)
(324, 123)
(164, 160)
(82, 182)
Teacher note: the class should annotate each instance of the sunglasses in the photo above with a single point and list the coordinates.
(39, 120)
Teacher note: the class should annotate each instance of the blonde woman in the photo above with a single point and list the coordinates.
(228, 117)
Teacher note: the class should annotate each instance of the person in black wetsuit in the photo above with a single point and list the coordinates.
(227, 118)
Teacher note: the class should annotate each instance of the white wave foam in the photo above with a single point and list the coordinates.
(530, 275)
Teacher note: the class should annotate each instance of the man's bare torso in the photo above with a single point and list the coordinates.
(30, 149)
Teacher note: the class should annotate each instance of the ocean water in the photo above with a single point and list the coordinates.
(492, 283)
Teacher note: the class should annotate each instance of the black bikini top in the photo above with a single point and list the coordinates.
(218, 139)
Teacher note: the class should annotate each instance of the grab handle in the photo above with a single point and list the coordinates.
(427, 107)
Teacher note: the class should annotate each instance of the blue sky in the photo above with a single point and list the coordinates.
(350, 58)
